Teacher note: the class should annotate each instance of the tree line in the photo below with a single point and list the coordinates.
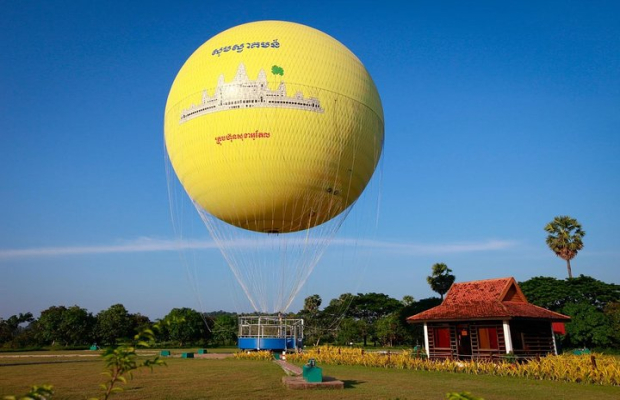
(351, 319)
(60, 326)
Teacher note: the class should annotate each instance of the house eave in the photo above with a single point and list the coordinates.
(494, 318)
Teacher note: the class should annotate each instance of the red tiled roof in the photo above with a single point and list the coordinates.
(527, 310)
(487, 299)
(476, 291)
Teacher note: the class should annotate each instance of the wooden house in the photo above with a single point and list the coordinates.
(488, 319)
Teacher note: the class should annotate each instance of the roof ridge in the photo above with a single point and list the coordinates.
(486, 280)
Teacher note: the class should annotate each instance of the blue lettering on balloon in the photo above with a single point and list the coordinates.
(274, 44)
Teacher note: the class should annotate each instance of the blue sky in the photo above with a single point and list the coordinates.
(499, 116)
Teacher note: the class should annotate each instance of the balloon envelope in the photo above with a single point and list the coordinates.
(273, 127)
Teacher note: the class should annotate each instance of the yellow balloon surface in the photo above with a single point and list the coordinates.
(274, 127)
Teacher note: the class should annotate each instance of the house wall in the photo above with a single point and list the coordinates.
(435, 350)
(480, 351)
(529, 339)
(480, 345)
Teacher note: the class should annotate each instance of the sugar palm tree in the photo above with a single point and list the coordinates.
(441, 279)
(565, 238)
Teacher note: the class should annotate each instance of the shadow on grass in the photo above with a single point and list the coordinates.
(351, 384)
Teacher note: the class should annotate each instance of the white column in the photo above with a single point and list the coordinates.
(507, 337)
(426, 339)
(555, 347)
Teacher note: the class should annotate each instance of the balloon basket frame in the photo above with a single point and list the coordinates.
(271, 333)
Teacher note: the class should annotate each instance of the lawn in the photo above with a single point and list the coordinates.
(77, 376)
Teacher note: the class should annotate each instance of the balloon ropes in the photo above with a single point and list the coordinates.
(274, 130)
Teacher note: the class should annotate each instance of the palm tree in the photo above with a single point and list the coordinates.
(441, 279)
(564, 238)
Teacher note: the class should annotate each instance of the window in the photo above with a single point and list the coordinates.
(487, 338)
(442, 337)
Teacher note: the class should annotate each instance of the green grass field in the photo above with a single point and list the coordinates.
(76, 375)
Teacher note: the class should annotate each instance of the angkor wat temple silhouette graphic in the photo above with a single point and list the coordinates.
(242, 93)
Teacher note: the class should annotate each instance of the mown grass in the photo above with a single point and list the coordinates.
(76, 377)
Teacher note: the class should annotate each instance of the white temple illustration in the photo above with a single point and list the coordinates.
(242, 92)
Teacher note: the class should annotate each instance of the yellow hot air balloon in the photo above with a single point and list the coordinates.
(273, 127)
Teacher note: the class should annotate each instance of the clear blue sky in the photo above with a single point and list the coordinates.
(499, 116)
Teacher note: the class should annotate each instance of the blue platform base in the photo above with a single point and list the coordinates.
(266, 343)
